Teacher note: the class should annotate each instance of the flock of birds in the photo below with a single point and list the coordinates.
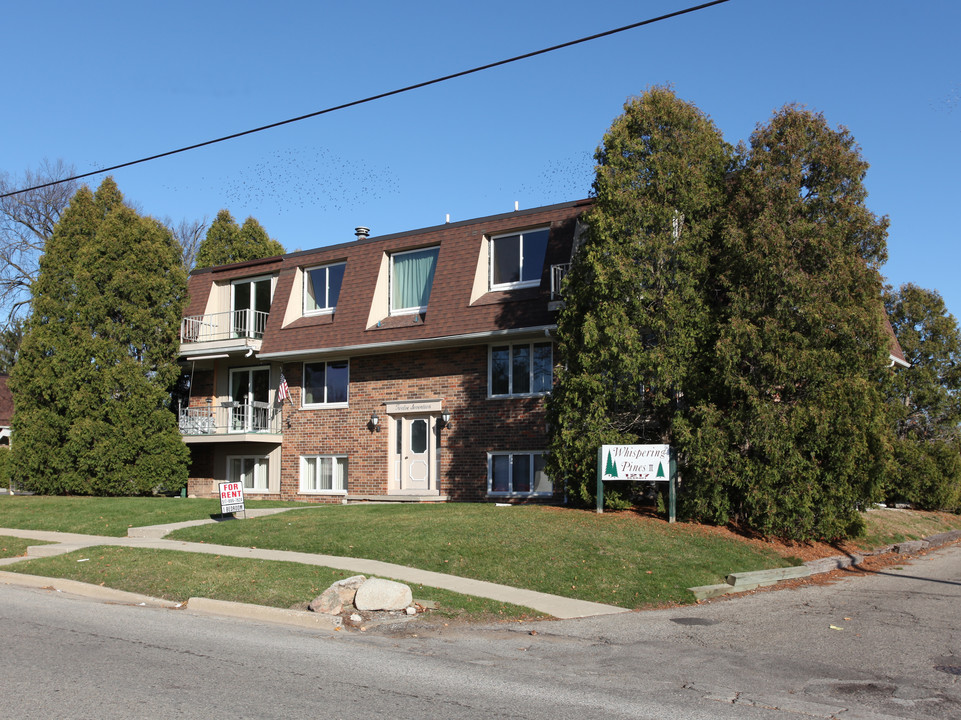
(294, 182)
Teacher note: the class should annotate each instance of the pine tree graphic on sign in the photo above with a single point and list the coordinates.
(660, 470)
(611, 466)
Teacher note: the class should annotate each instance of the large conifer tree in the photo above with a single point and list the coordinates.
(639, 316)
(926, 401)
(794, 439)
(99, 355)
(226, 242)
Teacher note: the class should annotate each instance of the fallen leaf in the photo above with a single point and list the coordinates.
(835, 627)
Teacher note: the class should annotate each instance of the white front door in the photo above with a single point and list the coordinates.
(414, 451)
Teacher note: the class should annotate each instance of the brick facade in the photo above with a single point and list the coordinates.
(407, 366)
(455, 376)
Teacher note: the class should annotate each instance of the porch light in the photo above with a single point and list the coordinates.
(445, 418)
(374, 423)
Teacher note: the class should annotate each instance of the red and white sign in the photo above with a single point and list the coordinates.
(231, 497)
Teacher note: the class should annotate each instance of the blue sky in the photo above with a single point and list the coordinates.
(101, 83)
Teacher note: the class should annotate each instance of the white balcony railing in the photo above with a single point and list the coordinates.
(230, 417)
(229, 325)
(558, 273)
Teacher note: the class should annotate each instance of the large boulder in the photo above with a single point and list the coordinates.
(378, 594)
(341, 593)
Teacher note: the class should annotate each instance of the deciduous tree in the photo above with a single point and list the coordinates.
(26, 223)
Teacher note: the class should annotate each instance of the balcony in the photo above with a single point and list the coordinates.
(231, 422)
(237, 330)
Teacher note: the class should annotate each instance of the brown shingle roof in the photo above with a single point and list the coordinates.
(450, 311)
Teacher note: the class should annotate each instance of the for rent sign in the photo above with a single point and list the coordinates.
(231, 497)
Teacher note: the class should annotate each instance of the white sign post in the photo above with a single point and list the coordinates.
(637, 463)
(232, 498)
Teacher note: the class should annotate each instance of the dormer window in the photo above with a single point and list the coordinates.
(322, 288)
(411, 277)
(517, 259)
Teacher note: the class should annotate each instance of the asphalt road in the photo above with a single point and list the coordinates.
(886, 645)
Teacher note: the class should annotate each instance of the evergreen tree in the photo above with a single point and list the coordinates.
(10, 338)
(926, 401)
(794, 438)
(99, 354)
(638, 299)
(226, 242)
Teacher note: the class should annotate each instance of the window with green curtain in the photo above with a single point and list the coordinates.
(412, 274)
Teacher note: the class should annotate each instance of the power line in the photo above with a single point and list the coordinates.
(372, 98)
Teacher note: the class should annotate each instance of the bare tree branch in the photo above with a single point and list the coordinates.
(27, 221)
(189, 234)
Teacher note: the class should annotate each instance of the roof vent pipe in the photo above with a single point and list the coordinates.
(362, 233)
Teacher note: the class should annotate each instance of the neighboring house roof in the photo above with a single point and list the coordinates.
(894, 348)
(6, 403)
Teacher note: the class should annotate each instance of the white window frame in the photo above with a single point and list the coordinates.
(390, 286)
(338, 476)
(327, 308)
(324, 404)
(261, 480)
(511, 493)
(510, 370)
(520, 268)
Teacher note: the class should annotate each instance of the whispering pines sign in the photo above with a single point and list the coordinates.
(640, 463)
(231, 497)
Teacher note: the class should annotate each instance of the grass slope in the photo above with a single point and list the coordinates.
(621, 559)
(178, 576)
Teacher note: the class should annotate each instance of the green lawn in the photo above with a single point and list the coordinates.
(617, 558)
(14, 546)
(106, 516)
(178, 576)
(620, 559)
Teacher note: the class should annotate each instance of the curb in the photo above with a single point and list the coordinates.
(96, 592)
(300, 618)
(746, 581)
(205, 606)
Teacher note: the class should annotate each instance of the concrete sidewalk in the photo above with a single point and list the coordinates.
(153, 537)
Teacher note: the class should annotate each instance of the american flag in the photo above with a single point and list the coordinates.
(283, 393)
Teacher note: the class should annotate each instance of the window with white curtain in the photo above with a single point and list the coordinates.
(251, 470)
(411, 277)
(323, 474)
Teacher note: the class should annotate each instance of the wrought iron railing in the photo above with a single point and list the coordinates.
(229, 325)
(558, 273)
(230, 417)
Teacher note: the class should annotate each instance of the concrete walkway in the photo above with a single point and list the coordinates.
(153, 537)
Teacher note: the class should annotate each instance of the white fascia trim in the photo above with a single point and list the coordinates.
(213, 353)
(399, 345)
(899, 362)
